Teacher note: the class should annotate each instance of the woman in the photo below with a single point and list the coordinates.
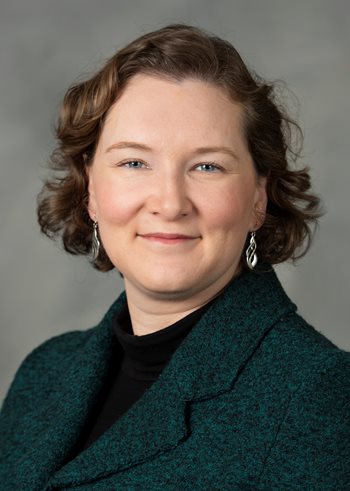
(173, 168)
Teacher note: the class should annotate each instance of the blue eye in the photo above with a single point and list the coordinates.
(133, 164)
(208, 167)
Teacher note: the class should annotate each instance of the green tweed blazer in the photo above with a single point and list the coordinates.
(253, 399)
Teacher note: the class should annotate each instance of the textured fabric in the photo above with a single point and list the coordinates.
(253, 399)
(136, 363)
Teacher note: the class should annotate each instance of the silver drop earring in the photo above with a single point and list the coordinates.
(250, 254)
(95, 245)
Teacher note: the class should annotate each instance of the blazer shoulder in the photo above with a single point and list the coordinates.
(295, 336)
(294, 352)
(55, 348)
(47, 365)
(39, 365)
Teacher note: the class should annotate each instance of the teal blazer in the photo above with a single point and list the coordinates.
(253, 399)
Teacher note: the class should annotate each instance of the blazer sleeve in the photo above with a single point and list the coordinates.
(312, 447)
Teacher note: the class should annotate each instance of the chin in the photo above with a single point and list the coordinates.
(169, 287)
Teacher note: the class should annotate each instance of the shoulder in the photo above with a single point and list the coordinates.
(54, 350)
(294, 341)
(301, 362)
(38, 368)
(324, 367)
(50, 361)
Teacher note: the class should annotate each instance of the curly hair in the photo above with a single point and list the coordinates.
(177, 52)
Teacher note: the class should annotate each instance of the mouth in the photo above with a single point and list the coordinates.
(167, 238)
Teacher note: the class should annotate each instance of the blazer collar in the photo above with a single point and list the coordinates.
(229, 333)
(205, 364)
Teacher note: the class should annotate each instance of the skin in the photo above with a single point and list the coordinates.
(172, 159)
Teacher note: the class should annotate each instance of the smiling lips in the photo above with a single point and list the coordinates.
(167, 238)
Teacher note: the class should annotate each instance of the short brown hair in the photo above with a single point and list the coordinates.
(180, 51)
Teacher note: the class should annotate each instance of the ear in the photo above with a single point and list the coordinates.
(92, 209)
(260, 204)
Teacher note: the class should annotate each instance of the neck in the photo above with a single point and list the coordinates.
(151, 313)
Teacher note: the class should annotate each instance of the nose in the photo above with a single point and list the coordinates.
(169, 198)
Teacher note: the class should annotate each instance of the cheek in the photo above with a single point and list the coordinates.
(228, 210)
(114, 204)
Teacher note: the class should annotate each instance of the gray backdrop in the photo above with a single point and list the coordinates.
(46, 45)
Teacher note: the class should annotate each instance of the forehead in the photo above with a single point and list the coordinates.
(162, 108)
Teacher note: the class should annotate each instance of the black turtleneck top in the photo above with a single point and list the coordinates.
(137, 363)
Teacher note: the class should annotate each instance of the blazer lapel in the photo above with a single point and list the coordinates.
(215, 351)
(154, 424)
(206, 364)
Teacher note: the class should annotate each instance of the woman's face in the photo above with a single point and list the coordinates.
(173, 187)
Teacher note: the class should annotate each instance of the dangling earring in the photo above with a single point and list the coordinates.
(250, 254)
(95, 245)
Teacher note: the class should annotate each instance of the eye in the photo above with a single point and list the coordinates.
(133, 164)
(209, 167)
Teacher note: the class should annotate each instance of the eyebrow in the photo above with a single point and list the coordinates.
(197, 151)
(126, 144)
